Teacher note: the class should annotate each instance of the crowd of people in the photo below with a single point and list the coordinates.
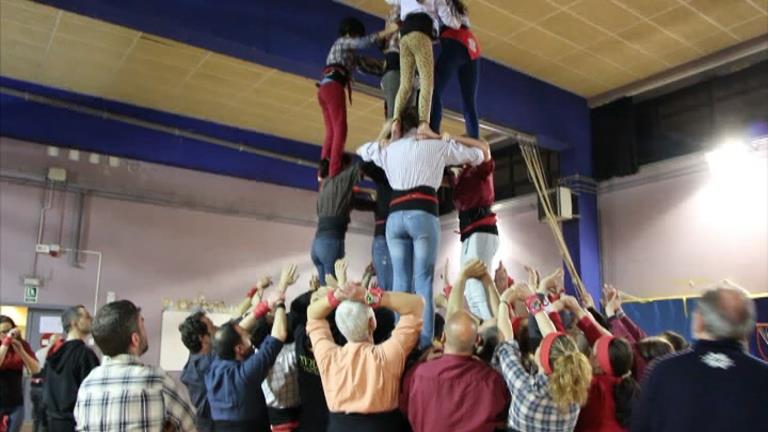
(346, 357)
(382, 352)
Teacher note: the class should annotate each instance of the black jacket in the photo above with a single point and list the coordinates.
(64, 370)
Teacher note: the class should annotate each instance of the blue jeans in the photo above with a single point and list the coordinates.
(382, 262)
(15, 417)
(326, 249)
(412, 237)
(454, 59)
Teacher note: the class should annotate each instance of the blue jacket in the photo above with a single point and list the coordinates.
(234, 388)
(715, 386)
(193, 376)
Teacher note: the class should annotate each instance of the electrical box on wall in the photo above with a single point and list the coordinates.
(564, 204)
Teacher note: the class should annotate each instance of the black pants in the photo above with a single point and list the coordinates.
(38, 409)
(391, 421)
(241, 426)
(59, 425)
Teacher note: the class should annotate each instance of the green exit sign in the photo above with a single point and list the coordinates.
(30, 294)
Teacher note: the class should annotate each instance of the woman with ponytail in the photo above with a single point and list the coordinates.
(612, 391)
(550, 399)
(609, 406)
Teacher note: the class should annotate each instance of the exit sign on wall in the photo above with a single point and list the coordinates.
(30, 294)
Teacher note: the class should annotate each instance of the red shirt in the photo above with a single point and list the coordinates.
(599, 414)
(454, 393)
(473, 188)
(13, 361)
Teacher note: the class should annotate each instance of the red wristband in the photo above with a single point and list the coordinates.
(252, 291)
(534, 304)
(373, 297)
(261, 309)
(332, 300)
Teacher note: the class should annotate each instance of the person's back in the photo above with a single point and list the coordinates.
(454, 393)
(715, 386)
(65, 370)
(123, 394)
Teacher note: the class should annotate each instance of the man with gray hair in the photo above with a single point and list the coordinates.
(716, 385)
(361, 380)
(66, 367)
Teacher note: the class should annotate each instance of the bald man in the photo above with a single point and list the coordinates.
(455, 391)
(716, 385)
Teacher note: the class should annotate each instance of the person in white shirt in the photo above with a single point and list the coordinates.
(421, 22)
(414, 168)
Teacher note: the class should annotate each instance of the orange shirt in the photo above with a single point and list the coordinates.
(361, 377)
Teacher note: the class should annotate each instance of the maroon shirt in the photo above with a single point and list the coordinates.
(454, 393)
(473, 188)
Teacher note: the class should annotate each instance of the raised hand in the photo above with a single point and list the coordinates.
(341, 271)
(474, 269)
(553, 283)
(314, 283)
(501, 278)
(287, 278)
(533, 276)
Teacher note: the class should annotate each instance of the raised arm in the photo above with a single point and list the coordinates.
(471, 142)
(473, 269)
(29, 360)
(287, 278)
(248, 301)
(403, 303)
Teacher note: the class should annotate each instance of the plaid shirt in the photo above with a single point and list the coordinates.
(281, 387)
(532, 408)
(125, 395)
(343, 52)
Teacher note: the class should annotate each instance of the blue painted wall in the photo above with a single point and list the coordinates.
(36, 122)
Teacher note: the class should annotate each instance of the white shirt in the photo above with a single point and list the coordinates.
(440, 12)
(410, 162)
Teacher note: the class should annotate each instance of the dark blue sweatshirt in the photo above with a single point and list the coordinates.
(715, 386)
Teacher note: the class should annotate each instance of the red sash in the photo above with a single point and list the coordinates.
(465, 36)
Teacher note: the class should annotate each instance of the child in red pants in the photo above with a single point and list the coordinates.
(340, 65)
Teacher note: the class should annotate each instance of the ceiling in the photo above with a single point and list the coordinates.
(56, 48)
(592, 46)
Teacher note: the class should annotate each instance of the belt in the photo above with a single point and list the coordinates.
(488, 220)
(413, 196)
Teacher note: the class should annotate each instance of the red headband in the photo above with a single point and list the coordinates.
(603, 355)
(546, 347)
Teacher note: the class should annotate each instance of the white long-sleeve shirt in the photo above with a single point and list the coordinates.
(410, 163)
(441, 13)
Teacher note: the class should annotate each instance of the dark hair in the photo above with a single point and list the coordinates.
(192, 329)
(676, 339)
(260, 331)
(351, 26)
(490, 339)
(654, 347)
(8, 320)
(71, 314)
(226, 339)
(409, 119)
(624, 392)
(439, 325)
(113, 326)
(458, 6)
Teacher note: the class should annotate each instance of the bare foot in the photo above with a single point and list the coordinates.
(425, 132)
(395, 132)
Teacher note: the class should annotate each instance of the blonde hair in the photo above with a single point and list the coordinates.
(571, 374)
